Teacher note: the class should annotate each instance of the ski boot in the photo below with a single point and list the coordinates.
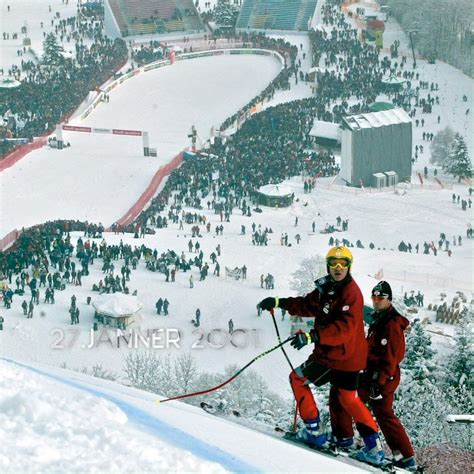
(408, 464)
(372, 452)
(342, 444)
(312, 434)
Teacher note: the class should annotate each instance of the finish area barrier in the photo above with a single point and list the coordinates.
(109, 131)
(150, 191)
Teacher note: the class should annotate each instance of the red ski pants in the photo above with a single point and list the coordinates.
(392, 428)
(339, 398)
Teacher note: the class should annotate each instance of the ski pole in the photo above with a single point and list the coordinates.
(272, 312)
(217, 387)
(295, 417)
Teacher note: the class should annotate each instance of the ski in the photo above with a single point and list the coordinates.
(386, 466)
(213, 411)
(290, 437)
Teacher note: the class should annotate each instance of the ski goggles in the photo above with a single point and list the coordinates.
(338, 263)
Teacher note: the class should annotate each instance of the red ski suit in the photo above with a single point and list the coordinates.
(386, 341)
(338, 321)
(337, 309)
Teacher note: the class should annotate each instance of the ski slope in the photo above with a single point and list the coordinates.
(101, 176)
(56, 421)
(64, 421)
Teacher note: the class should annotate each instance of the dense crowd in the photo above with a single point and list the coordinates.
(268, 147)
(53, 88)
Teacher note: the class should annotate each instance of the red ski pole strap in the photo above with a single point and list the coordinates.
(217, 387)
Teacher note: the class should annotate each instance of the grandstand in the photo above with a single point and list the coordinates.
(291, 15)
(138, 17)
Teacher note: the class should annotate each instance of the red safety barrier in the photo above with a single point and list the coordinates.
(9, 239)
(18, 153)
(149, 192)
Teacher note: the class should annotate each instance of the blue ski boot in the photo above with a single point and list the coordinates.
(312, 434)
(408, 464)
(342, 444)
(372, 452)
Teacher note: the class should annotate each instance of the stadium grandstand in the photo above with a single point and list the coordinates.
(291, 15)
(125, 18)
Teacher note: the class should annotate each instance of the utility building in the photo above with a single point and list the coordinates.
(376, 143)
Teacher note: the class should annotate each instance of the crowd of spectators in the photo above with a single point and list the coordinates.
(51, 90)
(270, 146)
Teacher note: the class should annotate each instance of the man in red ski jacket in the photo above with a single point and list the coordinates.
(340, 353)
(386, 340)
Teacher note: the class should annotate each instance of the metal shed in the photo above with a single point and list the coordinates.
(376, 142)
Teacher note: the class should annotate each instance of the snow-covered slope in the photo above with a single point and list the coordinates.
(53, 420)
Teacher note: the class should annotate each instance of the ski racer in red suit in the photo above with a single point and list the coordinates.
(340, 353)
(381, 378)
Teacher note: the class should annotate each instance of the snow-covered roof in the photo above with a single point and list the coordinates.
(116, 305)
(390, 173)
(275, 190)
(325, 130)
(379, 175)
(376, 119)
(9, 83)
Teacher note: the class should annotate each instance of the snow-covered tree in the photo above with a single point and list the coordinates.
(186, 373)
(458, 162)
(225, 14)
(310, 270)
(419, 354)
(141, 369)
(422, 407)
(459, 366)
(441, 146)
(444, 32)
(53, 51)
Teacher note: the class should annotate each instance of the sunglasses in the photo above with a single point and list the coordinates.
(378, 298)
(338, 263)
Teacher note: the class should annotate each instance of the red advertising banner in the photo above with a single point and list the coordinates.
(134, 133)
(75, 128)
(9, 239)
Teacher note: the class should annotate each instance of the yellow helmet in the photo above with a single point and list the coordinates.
(340, 252)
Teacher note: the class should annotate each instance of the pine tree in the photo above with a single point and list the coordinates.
(458, 162)
(460, 364)
(418, 354)
(53, 51)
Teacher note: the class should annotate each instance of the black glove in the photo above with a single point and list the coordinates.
(267, 303)
(303, 338)
(322, 284)
(375, 391)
